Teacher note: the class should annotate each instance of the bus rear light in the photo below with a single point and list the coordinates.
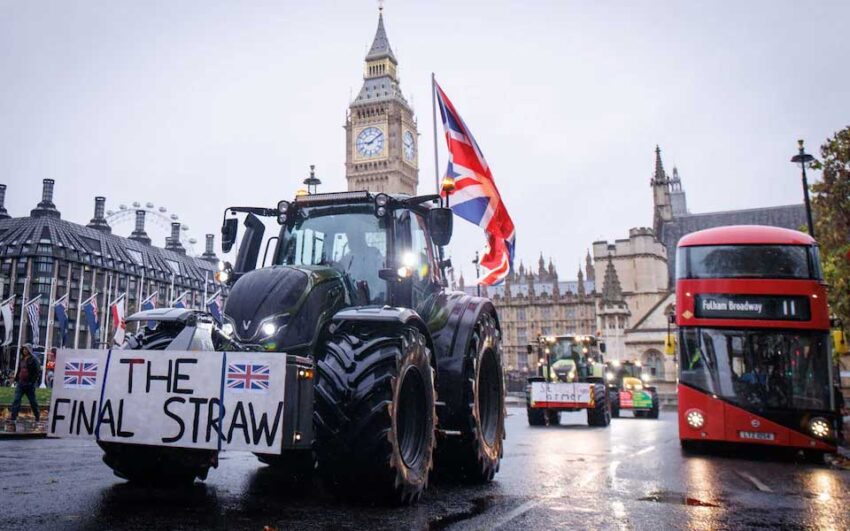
(695, 418)
(819, 427)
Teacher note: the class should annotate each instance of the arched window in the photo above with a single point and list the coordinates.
(653, 364)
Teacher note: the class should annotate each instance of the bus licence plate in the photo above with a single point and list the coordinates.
(756, 435)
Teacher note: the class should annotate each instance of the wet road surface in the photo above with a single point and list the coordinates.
(630, 476)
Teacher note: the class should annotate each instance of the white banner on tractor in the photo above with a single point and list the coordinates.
(559, 394)
(207, 400)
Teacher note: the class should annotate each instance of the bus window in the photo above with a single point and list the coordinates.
(744, 261)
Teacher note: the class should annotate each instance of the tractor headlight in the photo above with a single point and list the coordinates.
(615, 363)
(269, 329)
(282, 207)
(695, 418)
(645, 378)
(819, 427)
(609, 376)
(227, 329)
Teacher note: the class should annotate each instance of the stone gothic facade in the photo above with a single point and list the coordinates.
(531, 303)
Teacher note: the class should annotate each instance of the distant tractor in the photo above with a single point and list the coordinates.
(628, 389)
(570, 377)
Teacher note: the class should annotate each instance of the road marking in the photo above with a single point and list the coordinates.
(755, 481)
(644, 451)
(531, 504)
(522, 509)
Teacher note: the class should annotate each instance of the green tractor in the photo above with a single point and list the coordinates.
(571, 377)
(628, 387)
(390, 374)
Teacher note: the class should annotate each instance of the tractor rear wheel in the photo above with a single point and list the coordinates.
(600, 413)
(653, 413)
(536, 417)
(374, 414)
(553, 417)
(475, 456)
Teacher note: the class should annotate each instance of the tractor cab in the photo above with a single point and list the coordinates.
(629, 388)
(361, 250)
(570, 358)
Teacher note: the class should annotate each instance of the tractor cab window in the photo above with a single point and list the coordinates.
(351, 240)
(418, 254)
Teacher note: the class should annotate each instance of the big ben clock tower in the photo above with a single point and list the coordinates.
(381, 142)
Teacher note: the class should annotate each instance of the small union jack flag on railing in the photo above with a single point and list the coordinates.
(247, 377)
(80, 374)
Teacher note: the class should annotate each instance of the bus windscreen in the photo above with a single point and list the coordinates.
(746, 261)
(759, 370)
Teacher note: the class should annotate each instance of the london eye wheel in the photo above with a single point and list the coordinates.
(158, 222)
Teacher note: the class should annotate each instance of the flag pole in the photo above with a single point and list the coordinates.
(434, 120)
(49, 331)
(23, 317)
(79, 306)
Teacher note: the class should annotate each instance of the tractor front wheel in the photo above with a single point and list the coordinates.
(374, 415)
(536, 417)
(475, 456)
(653, 413)
(600, 414)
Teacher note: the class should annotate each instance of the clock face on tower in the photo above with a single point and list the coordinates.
(409, 145)
(370, 142)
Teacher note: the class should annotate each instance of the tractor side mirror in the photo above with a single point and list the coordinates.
(440, 224)
(249, 250)
(602, 347)
(228, 234)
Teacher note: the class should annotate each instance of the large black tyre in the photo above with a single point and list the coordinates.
(600, 414)
(536, 417)
(653, 413)
(615, 404)
(553, 417)
(475, 456)
(375, 415)
(155, 465)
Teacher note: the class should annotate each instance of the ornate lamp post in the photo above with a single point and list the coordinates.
(803, 158)
(312, 181)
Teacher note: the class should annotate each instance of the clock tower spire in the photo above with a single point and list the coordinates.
(381, 153)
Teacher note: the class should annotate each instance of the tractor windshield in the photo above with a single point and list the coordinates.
(348, 238)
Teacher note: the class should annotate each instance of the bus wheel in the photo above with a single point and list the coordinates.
(690, 447)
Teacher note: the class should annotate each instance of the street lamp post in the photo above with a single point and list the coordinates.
(312, 181)
(477, 274)
(803, 158)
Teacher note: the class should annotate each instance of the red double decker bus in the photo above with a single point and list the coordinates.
(755, 362)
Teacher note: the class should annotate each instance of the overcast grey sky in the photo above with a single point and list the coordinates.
(196, 105)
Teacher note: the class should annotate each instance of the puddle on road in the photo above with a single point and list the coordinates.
(479, 505)
(676, 498)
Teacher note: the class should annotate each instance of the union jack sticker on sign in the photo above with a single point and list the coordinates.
(80, 374)
(251, 377)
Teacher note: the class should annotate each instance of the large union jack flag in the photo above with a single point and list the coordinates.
(80, 374)
(475, 197)
(247, 377)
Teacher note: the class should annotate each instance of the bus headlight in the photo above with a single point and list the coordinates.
(819, 427)
(609, 376)
(695, 418)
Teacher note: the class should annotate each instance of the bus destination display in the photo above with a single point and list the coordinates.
(761, 307)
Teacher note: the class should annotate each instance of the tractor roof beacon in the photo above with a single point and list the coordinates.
(386, 360)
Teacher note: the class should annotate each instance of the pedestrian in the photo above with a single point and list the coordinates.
(26, 379)
(50, 367)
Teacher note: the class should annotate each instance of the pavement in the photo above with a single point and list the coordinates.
(631, 475)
